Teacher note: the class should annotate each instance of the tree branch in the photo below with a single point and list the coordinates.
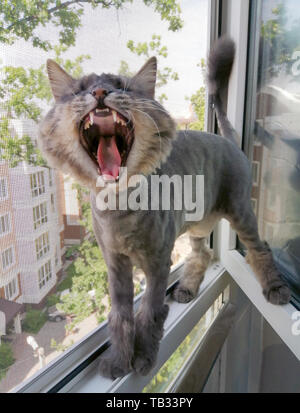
(53, 9)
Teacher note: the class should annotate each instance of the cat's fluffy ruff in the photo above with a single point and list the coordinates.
(146, 238)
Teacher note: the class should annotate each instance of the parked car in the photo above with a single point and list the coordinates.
(55, 315)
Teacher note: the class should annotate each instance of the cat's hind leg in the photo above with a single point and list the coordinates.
(260, 258)
(194, 270)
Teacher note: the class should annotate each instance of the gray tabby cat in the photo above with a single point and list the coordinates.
(101, 123)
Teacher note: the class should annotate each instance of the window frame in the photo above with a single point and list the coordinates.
(41, 219)
(45, 274)
(13, 258)
(42, 248)
(37, 184)
(4, 180)
(2, 234)
(16, 286)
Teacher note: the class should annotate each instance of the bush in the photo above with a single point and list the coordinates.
(34, 321)
(52, 300)
(6, 358)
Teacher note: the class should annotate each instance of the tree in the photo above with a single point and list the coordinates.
(153, 48)
(21, 19)
(24, 93)
(280, 39)
(198, 102)
(89, 290)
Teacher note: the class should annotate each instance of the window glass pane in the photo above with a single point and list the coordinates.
(46, 213)
(170, 370)
(276, 139)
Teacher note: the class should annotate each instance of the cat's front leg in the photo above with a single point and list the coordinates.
(118, 361)
(150, 319)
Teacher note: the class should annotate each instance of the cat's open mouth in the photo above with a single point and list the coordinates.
(107, 136)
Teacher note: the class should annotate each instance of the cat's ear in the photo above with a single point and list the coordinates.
(146, 77)
(61, 82)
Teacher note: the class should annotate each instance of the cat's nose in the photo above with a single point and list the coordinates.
(99, 93)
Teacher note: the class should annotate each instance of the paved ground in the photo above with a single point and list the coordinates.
(26, 364)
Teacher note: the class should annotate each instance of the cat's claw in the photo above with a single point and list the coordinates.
(277, 293)
(143, 365)
(182, 295)
(113, 368)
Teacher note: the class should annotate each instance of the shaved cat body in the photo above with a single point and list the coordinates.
(145, 238)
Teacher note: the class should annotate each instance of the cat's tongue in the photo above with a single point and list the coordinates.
(109, 158)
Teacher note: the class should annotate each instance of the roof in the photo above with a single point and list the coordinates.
(10, 309)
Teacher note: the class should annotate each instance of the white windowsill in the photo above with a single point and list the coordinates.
(278, 316)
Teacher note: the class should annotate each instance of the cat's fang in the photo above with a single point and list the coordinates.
(114, 113)
(91, 118)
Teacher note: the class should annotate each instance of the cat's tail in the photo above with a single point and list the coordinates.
(220, 61)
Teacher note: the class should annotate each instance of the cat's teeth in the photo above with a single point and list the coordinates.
(87, 124)
(114, 113)
(102, 110)
(91, 118)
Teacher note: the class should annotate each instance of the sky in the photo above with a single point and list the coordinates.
(105, 33)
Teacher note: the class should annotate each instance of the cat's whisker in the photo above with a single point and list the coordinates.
(152, 106)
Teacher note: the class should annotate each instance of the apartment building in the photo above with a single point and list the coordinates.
(32, 243)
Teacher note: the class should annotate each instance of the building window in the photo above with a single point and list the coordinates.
(40, 215)
(255, 173)
(11, 290)
(37, 183)
(42, 245)
(56, 256)
(50, 177)
(4, 224)
(45, 274)
(7, 258)
(52, 203)
(3, 189)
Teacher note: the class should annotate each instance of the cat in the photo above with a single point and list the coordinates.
(100, 123)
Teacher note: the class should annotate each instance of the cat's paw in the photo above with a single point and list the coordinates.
(277, 292)
(182, 295)
(113, 367)
(143, 364)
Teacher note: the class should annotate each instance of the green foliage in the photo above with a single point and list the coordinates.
(59, 346)
(71, 251)
(52, 300)
(198, 103)
(34, 321)
(23, 18)
(281, 39)
(172, 366)
(87, 273)
(6, 358)
(153, 48)
(66, 283)
(23, 93)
